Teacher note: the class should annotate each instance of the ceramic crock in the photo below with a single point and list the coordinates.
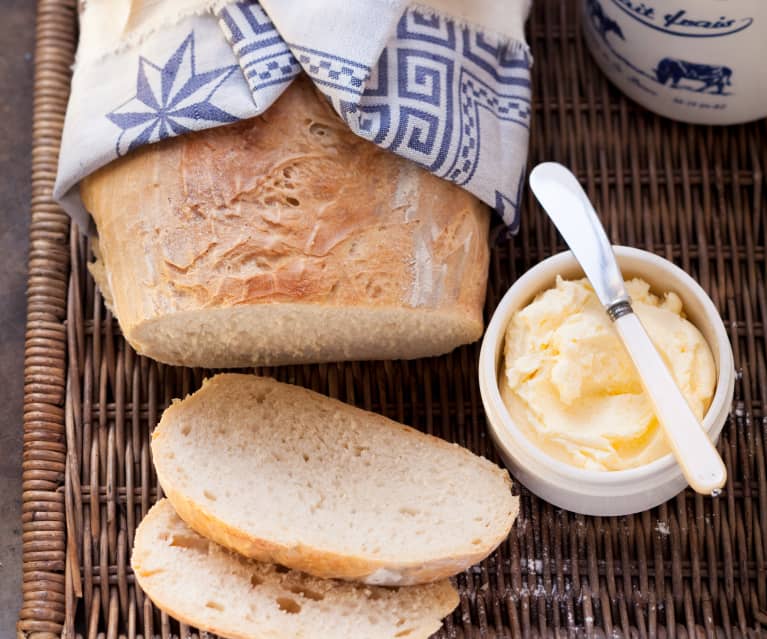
(699, 61)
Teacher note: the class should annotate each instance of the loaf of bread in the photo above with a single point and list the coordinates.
(208, 587)
(286, 239)
(285, 475)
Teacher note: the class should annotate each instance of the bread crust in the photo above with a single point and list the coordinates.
(324, 562)
(288, 207)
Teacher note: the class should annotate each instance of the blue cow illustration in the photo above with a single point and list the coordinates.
(712, 76)
(602, 22)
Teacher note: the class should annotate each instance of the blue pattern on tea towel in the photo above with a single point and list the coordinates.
(441, 93)
(170, 100)
(266, 61)
(332, 73)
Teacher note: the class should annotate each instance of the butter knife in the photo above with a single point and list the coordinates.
(568, 206)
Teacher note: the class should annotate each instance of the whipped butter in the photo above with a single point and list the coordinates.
(569, 384)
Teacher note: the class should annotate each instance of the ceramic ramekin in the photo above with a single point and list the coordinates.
(588, 491)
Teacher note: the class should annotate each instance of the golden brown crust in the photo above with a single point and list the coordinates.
(287, 207)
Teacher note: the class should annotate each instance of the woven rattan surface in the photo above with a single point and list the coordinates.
(693, 566)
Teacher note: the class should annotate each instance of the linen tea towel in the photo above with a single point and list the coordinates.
(444, 84)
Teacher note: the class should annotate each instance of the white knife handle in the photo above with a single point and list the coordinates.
(699, 460)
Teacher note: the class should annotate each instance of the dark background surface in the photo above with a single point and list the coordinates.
(16, 69)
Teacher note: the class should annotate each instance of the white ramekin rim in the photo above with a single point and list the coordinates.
(545, 272)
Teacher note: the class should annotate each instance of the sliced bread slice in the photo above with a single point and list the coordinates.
(282, 474)
(207, 586)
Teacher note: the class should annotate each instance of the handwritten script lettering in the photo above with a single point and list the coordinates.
(681, 22)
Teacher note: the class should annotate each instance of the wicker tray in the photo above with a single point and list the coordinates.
(692, 567)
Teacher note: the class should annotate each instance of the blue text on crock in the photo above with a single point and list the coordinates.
(680, 22)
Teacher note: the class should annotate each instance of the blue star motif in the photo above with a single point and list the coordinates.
(170, 100)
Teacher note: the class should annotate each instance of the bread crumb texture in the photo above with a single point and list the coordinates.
(332, 490)
(211, 588)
